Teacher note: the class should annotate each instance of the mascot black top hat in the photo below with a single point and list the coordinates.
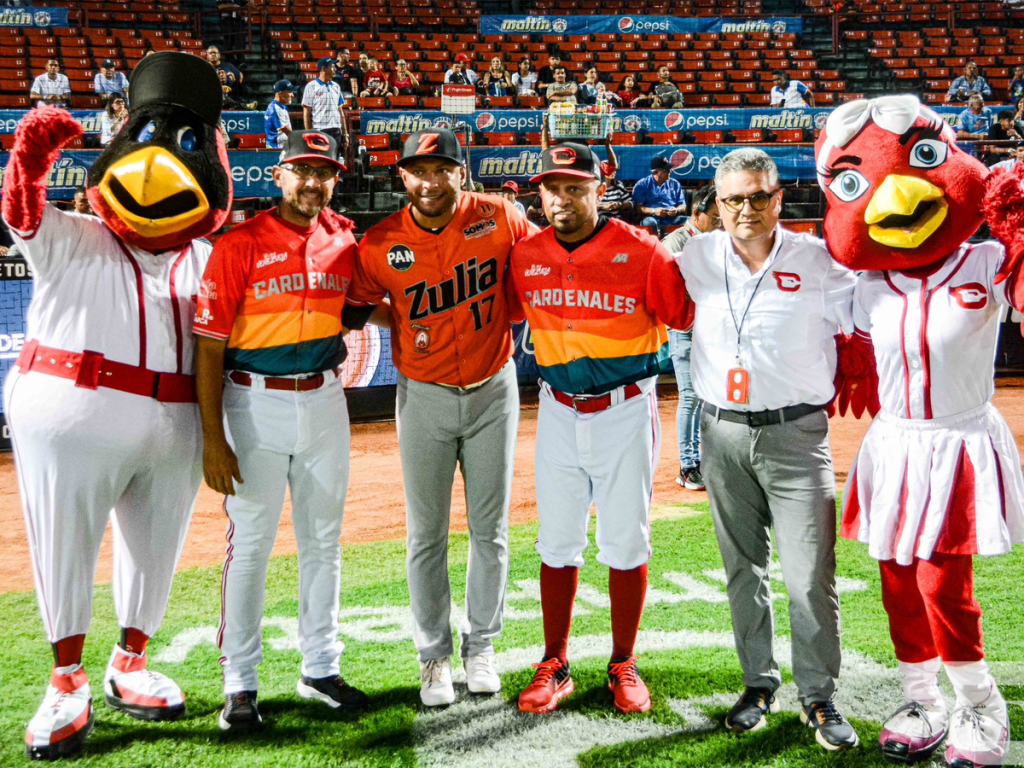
(164, 179)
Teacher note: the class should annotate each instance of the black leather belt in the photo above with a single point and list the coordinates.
(763, 418)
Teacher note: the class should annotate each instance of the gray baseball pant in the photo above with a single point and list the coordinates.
(777, 476)
(439, 429)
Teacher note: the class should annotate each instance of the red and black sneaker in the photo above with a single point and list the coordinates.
(551, 683)
(631, 695)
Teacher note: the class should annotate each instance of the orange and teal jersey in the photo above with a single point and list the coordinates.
(275, 291)
(597, 310)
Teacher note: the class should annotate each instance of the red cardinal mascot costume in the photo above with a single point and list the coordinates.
(101, 404)
(938, 477)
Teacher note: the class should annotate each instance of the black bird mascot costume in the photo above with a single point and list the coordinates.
(101, 404)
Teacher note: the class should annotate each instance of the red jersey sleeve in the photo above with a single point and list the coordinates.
(666, 291)
(365, 288)
(222, 289)
(516, 313)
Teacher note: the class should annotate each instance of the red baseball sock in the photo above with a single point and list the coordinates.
(628, 590)
(133, 640)
(68, 651)
(557, 593)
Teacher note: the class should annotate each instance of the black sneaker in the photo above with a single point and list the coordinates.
(334, 692)
(692, 479)
(240, 712)
(749, 712)
(831, 729)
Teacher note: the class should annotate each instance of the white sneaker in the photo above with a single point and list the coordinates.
(133, 689)
(914, 731)
(436, 676)
(978, 734)
(480, 675)
(64, 719)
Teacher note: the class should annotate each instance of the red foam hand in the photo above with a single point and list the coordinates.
(37, 142)
(1004, 212)
(856, 376)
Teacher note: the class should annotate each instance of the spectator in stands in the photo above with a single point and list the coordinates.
(1016, 89)
(276, 120)
(1018, 116)
(403, 81)
(525, 79)
(1016, 156)
(113, 118)
(631, 95)
(974, 122)
(510, 191)
(362, 68)
(497, 80)
(323, 105)
(227, 87)
(665, 93)
(51, 88)
(586, 92)
(460, 72)
(561, 90)
(659, 198)
(546, 76)
(617, 201)
(969, 82)
(612, 96)
(349, 75)
(376, 82)
(791, 94)
(80, 202)
(108, 80)
(1001, 130)
(234, 76)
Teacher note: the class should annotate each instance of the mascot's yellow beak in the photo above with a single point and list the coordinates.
(153, 193)
(905, 211)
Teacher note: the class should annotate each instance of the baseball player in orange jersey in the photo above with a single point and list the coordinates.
(597, 294)
(442, 260)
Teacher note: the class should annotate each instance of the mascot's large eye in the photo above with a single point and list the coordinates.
(849, 185)
(147, 133)
(187, 139)
(928, 153)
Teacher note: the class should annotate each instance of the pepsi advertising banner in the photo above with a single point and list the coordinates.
(236, 122)
(590, 25)
(494, 165)
(36, 18)
(623, 121)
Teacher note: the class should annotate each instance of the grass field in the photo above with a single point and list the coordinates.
(686, 658)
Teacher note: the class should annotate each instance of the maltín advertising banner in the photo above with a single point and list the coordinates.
(31, 16)
(589, 25)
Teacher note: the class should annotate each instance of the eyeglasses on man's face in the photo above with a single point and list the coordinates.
(758, 201)
(306, 172)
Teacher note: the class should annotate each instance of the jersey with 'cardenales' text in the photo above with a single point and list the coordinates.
(597, 313)
(449, 314)
(275, 292)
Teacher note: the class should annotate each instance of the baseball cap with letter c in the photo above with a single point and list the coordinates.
(569, 160)
(311, 145)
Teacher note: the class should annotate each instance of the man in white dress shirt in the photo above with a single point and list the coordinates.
(763, 360)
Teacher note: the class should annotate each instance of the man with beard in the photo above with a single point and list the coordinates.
(269, 322)
(597, 293)
(443, 262)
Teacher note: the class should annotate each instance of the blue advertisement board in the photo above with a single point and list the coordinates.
(236, 122)
(32, 16)
(589, 25)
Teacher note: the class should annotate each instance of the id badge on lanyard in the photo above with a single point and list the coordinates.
(737, 384)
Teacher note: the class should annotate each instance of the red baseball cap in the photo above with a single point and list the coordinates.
(461, 57)
(511, 185)
(607, 169)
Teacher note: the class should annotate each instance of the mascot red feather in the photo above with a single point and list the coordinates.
(937, 479)
(101, 404)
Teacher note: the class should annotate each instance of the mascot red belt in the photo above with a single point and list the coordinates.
(938, 477)
(101, 405)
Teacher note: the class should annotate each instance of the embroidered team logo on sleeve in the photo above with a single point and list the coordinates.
(788, 281)
(970, 295)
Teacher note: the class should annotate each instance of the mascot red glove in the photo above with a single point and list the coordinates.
(937, 479)
(101, 405)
